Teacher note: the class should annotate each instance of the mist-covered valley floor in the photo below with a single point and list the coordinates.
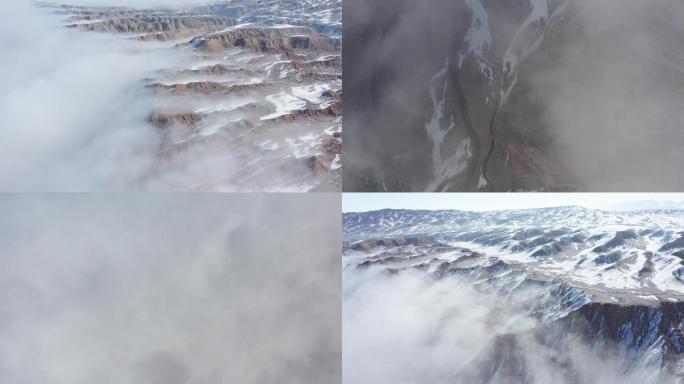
(171, 96)
(513, 95)
(564, 295)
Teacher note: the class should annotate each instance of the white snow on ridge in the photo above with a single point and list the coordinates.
(283, 66)
(297, 98)
(311, 93)
(284, 104)
(586, 248)
(224, 106)
(232, 28)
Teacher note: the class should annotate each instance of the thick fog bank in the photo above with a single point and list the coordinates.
(73, 105)
(158, 289)
(408, 327)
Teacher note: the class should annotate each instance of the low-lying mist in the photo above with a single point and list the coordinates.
(407, 327)
(73, 108)
(163, 289)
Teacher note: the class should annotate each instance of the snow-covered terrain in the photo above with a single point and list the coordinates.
(606, 281)
(499, 73)
(252, 100)
(525, 95)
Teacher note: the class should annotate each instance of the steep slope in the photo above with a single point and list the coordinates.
(588, 283)
(256, 104)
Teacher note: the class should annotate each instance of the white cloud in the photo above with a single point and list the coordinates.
(72, 106)
(409, 328)
(169, 289)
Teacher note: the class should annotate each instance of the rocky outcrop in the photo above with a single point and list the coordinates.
(163, 119)
(268, 40)
(216, 69)
(638, 336)
(609, 258)
(327, 68)
(675, 244)
(311, 112)
(157, 27)
(636, 327)
(547, 250)
(204, 87)
(368, 245)
(617, 240)
(679, 274)
(325, 162)
(326, 62)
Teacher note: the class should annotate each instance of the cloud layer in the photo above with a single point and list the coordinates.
(407, 327)
(170, 289)
(73, 107)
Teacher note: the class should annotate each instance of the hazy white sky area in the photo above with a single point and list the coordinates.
(134, 3)
(170, 289)
(363, 202)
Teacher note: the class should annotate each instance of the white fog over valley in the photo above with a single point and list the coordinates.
(170, 96)
(529, 292)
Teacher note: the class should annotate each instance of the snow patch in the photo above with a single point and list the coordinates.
(284, 104)
(443, 169)
(479, 36)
